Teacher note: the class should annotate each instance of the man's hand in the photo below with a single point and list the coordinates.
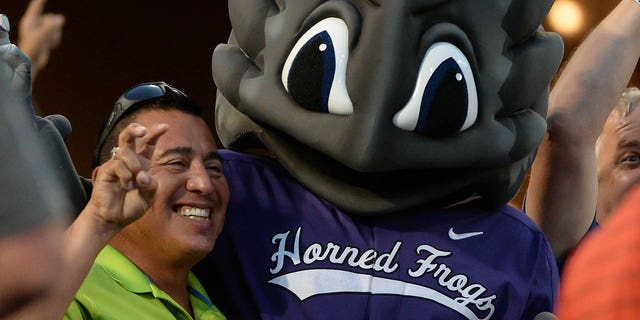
(122, 188)
(38, 34)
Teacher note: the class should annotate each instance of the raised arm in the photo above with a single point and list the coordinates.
(562, 192)
(121, 194)
(39, 34)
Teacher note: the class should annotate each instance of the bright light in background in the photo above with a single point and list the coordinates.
(566, 17)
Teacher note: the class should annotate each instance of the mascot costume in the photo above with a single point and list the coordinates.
(373, 146)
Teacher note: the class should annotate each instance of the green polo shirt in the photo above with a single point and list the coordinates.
(116, 289)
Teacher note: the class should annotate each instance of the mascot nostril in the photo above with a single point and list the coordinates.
(394, 146)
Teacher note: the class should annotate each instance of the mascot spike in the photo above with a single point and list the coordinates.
(524, 17)
(248, 21)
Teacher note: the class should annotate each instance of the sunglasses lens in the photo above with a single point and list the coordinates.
(144, 92)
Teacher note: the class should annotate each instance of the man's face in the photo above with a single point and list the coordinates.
(188, 211)
(619, 159)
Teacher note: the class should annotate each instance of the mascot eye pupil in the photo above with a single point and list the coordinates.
(444, 101)
(312, 73)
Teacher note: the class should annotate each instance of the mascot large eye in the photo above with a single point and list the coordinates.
(314, 73)
(445, 100)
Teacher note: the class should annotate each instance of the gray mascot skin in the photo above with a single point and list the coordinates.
(395, 132)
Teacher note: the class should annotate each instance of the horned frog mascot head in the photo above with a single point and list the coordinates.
(383, 105)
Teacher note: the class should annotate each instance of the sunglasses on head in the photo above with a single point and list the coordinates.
(127, 103)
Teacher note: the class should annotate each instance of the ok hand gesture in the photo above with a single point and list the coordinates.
(123, 189)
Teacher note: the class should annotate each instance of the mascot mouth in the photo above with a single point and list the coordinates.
(369, 192)
(374, 193)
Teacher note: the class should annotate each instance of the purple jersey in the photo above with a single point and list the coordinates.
(284, 253)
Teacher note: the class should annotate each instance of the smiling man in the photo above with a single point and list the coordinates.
(144, 272)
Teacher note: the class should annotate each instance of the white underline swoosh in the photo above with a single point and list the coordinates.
(308, 283)
(460, 236)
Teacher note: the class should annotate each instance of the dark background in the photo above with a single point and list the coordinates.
(109, 46)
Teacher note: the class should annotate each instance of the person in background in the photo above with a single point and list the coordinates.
(618, 152)
(567, 183)
(602, 277)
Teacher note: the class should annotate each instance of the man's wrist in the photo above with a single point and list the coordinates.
(95, 221)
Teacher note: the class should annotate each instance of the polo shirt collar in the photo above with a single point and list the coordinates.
(130, 277)
(122, 270)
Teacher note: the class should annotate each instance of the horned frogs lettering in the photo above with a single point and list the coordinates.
(457, 283)
(470, 299)
(368, 259)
